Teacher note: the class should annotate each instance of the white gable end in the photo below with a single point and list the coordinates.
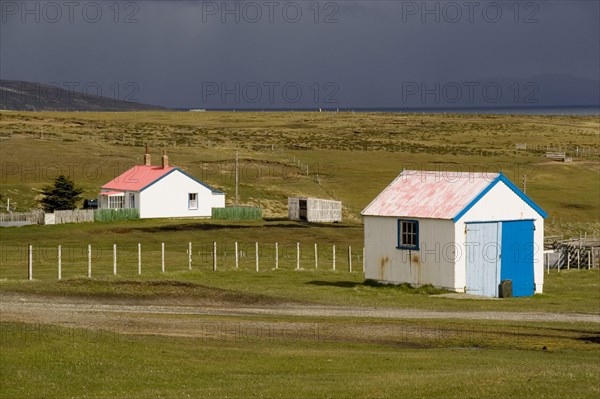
(500, 203)
(169, 197)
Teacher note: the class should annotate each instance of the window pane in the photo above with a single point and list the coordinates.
(193, 200)
(408, 233)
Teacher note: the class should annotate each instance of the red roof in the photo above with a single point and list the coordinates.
(109, 193)
(136, 178)
(429, 194)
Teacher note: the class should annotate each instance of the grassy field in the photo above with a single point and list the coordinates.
(566, 292)
(350, 157)
(343, 151)
(323, 285)
(285, 356)
(463, 360)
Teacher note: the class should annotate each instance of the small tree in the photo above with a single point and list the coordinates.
(60, 196)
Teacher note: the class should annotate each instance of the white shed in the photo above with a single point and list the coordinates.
(160, 192)
(315, 210)
(465, 232)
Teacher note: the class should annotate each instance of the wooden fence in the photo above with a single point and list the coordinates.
(74, 216)
(16, 218)
(569, 151)
(209, 256)
(66, 216)
(558, 156)
(582, 253)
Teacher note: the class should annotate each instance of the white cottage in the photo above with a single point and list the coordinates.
(160, 192)
(465, 232)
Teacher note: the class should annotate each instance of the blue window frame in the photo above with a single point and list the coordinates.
(408, 234)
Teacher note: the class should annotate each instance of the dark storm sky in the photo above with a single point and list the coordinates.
(230, 54)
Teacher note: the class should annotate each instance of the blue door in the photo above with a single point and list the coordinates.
(517, 256)
(483, 258)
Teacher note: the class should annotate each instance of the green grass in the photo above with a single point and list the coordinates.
(57, 362)
(572, 291)
(349, 157)
(566, 292)
(176, 235)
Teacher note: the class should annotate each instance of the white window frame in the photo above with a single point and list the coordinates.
(192, 203)
(116, 202)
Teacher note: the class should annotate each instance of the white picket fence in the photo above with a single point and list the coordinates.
(262, 259)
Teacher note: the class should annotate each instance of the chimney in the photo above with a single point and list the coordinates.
(165, 159)
(147, 156)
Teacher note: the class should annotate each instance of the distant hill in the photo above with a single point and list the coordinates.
(20, 95)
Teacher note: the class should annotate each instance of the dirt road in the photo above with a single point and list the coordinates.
(39, 307)
(234, 322)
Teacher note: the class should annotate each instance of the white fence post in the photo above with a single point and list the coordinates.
(162, 257)
(333, 257)
(237, 256)
(363, 259)
(349, 258)
(139, 258)
(115, 259)
(89, 260)
(190, 255)
(256, 256)
(59, 262)
(276, 255)
(316, 257)
(297, 255)
(214, 256)
(30, 262)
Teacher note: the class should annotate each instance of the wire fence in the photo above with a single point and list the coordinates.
(43, 262)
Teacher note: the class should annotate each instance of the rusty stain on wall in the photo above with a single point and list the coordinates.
(382, 264)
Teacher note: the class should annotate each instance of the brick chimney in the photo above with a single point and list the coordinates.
(165, 159)
(147, 156)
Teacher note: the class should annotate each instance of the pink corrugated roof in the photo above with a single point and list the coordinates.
(429, 194)
(137, 178)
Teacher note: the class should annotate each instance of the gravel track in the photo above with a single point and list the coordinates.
(15, 306)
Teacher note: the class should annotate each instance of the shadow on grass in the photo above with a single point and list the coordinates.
(405, 288)
(590, 338)
(201, 227)
(341, 284)
(230, 225)
(152, 290)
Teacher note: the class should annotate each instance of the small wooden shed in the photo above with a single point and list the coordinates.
(465, 232)
(314, 210)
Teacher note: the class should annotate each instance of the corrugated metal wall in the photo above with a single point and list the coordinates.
(320, 210)
(432, 264)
